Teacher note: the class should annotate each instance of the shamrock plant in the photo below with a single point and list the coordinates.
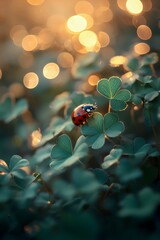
(64, 155)
(110, 88)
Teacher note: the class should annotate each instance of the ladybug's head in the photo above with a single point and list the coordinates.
(89, 107)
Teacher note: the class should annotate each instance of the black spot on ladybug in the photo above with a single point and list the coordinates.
(80, 120)
(73, 118)
(84, 116)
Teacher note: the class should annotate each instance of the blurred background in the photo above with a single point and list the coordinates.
(47, 45)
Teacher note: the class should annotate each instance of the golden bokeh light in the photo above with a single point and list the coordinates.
(17, 33)
(93, 79)
(144, 32)
(30, 80)
(76, 23)
(56, 20)
(89, 20)
(16, 89)
(29, 42)
(129, 77)
(103, 14)
(84, 7)
(51, 70)
(147, 5)
(134, 6)
(45, 39)
(3, 163)
(35, 2)
(88, 39)
(103, 39)
(65, 60)
(121, 4)
(117, 61)
(36, 138)
(141, 48)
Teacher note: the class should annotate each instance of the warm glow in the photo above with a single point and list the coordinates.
(103, 39)
(76, 23)
(129, 78)
(17, 33)
(93, 79)
(36, 137)
(84, 7)
(121, 4)
(4, 164)
(45, 39)
(0, 73)
(117, 61)
(16, 89)
(88, 39)
(144, 32)
(30, 80)
(103, 14)
(29, 42)
(51, 70)
(35, 2)
(134, 6)
(147, 5)
(141, 48)
(89, 20)
(65, 60)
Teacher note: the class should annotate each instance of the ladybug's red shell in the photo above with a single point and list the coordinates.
(81, 113)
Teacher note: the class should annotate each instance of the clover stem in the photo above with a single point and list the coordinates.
(106, 137)
(109, 108)
(153, 70)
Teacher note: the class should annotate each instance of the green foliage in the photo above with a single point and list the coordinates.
(141, 205)
(63, 154)
(84, 182)
(100, 127)
(110, 88)
(10, 110)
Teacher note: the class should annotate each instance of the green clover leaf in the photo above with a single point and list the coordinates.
(64, 155)
(110, 88)
(94, 131)
(14, 169)
(141, 206)
(112, 126)
(112, 158)
(99, 126)
(9, 110)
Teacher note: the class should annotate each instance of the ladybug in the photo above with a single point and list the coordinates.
(82, 112)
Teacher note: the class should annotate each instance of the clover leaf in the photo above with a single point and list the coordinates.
(14, 169)
(64, 155)
(94, 131)
(141, 205)
(56, 126)
(86, 65)
(110, 88)
(59, 102)
(112, 126)
(98, 127)
(112, 158)
(136, 149)
(10, 110)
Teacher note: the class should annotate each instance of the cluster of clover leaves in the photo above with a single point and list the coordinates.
(68, 151)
